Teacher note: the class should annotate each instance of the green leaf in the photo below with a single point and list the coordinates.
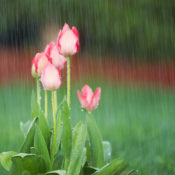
(115, 167)
(89, 170)
(78, 152)
(40, 145)
(26, 173)
(96, 146)
(3, 171)
(5, 159)
(58, 161)
(25, 127)
(34, 105)
(107, 151)
(59, 128)
(29, 162)
(28, 142)
(67, 132)
(132, 171)
(44, 129)
(60, 172)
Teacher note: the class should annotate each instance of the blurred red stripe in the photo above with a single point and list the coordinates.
(16, 65)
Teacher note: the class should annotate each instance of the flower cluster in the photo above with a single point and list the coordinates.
(47, 65)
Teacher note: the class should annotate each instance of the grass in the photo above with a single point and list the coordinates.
(139, 123)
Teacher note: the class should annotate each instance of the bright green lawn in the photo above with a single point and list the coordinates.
(140, 123)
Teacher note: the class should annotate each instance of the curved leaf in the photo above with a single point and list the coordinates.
(96, 146)
(29, 163)
(40, 145)
(5, 159)
(28, 142)
(78, 152)
(115, 167)
(56, 172)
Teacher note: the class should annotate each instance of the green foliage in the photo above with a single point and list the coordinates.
(96, 145)
(70, 157)
(41, 146)
(67, 133)
(28, 142)
(29, 162)
(77, 154)
(5, 159)
(115, 167)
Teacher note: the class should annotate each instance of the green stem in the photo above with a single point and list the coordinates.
(45, 93)
(55, 98)
(68, 81)
(38, 92)
(54, 127)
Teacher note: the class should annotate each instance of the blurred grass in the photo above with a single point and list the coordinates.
(139, 122)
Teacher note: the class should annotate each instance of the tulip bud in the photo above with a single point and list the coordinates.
(50, 77)
(38, 63)
(57, 60)
(88, 99)
(68, 41)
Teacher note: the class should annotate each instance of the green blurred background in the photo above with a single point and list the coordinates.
(135, 28)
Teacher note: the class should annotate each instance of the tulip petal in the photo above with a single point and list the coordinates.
(53, 52)
(50, 77)
(82, 99)
(87, 92)
(95, 99)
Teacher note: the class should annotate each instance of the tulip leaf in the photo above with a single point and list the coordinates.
(115, 167)
(58, 161)
(56, 172)
(25, 127)
(28, 142)
(29, 163)
(44, 129)
(3, 171)
(107, 151)
(67, 132)
(95, 139)
(89, 170)
(78, 152)
(5, 159)
(59, 128)
(41, 146)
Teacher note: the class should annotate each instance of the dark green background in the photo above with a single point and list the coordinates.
(130, 28)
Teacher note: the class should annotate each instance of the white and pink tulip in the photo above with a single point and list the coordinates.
(52, 51)
(68, 41)
(38, 63)
(88, 99)
(50, 77)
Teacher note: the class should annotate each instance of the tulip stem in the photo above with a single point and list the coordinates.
(45, 93)
(68, 81)
(38, 93)
(54, 127)
(55, 99)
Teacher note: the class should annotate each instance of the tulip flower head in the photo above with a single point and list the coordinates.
(68, 41)
(57, 60)
(50, 77)
(88, 99)
(38, 63)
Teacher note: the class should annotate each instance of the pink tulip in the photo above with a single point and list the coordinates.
(52, 51)
(38, 63)
(68, 41)
(50, 77)
(88, 99)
